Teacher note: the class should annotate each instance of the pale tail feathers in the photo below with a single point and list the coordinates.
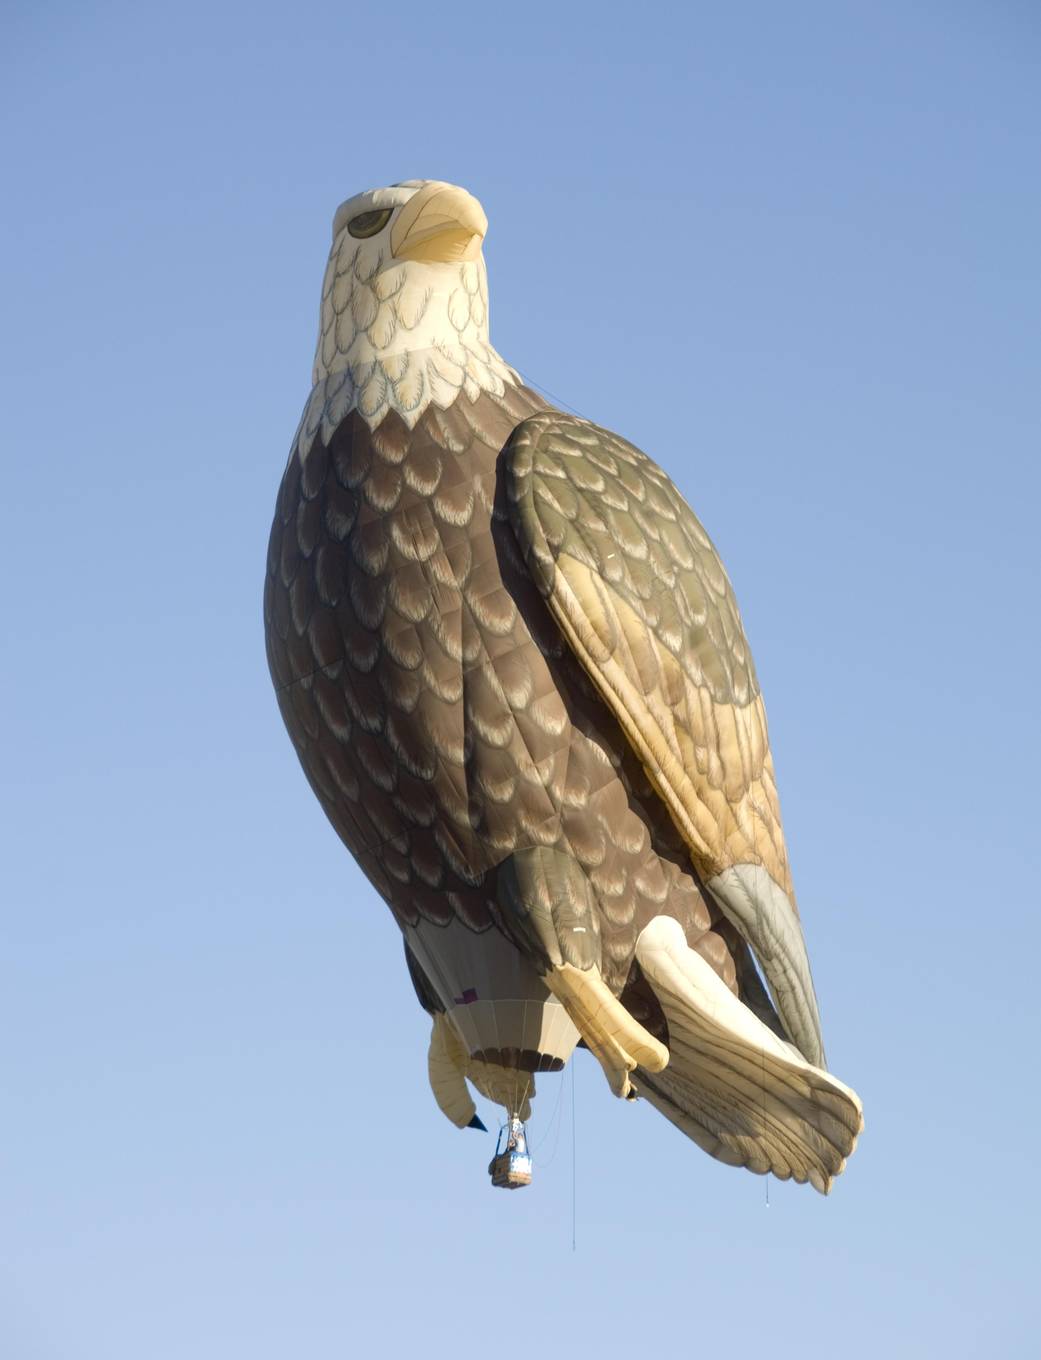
(736, 1089)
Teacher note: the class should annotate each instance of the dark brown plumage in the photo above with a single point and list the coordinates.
(440, 718)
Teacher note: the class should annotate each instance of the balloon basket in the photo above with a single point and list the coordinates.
(510, 1168)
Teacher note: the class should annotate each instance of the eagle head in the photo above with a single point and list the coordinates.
(420, 219)
(404, 314)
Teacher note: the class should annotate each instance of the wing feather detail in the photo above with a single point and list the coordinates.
(641, 596)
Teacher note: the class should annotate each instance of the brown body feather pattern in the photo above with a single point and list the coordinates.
(444, 723)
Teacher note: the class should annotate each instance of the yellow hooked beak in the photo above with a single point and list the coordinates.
(440, 224)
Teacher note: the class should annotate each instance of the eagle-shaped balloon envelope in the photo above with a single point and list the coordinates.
(514, 672)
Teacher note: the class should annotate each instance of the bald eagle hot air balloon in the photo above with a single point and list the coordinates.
(514, 672)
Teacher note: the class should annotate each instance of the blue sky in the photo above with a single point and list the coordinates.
(792, 252)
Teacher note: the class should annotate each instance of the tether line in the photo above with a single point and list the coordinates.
(573, 1157)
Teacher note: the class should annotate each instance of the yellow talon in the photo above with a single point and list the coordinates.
(619, 1043)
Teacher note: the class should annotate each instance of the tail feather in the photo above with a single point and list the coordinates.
(734, 1087)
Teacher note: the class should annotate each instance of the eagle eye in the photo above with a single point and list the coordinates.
(369, 223)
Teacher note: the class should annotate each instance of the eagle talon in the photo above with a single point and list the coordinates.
(619, 1043)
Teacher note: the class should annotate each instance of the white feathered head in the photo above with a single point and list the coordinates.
(404, 314)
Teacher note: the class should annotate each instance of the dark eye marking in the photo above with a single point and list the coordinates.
(369, 223)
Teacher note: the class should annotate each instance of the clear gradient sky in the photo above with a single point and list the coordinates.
(790, 250)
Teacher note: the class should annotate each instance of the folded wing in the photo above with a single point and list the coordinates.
(641, 596)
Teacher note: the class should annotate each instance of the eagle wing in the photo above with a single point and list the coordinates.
(640, 594)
